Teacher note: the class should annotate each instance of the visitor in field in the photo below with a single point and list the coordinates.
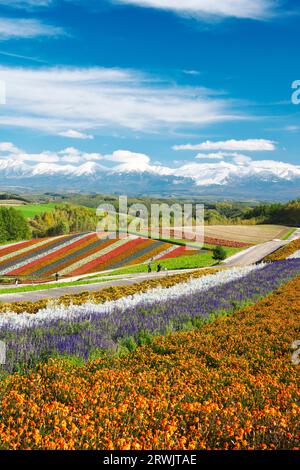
(149, 268)
(159, 268)
(56, 277)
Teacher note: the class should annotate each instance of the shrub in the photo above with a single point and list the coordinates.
(219, 253)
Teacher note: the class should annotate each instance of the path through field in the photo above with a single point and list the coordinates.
(55, 293)
(257, 253)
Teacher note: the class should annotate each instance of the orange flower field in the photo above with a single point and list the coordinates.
(229, 385)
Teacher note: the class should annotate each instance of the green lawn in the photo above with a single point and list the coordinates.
(200, 260)
(30, 210)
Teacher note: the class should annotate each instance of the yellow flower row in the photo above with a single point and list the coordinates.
(284, 252)
(110, 293)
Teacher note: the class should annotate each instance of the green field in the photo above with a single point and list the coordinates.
(200, 260)
(30, 210)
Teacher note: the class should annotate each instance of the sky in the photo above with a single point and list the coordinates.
(150, 84)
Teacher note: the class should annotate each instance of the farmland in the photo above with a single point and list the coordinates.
(251, 234)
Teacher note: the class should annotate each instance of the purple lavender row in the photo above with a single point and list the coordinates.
(87, 333)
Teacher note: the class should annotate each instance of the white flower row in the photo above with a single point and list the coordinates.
(295, 255)
(154, 296)
(41, 255)
(78, 264)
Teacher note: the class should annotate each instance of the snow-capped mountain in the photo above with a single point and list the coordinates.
(256, 179)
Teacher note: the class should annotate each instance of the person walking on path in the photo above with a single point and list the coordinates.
(56, 277)
(149, 268)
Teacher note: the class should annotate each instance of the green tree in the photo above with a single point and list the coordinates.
(13, 226)
(219, 253)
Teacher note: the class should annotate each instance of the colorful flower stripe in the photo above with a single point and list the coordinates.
(104, 262)
(38, 254)
(170, 249)
(136, 256)
(180, 251)
(111, 245)
(14, 247)
(83, 253)
(34, 244)
(154, 254)
(30, 267)
(130, 256)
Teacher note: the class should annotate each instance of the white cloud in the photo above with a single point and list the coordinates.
(82, 100)
(250, 145)
(9, 148)
(14, 28)
(204, 9)
(72, 134)
(238, 158)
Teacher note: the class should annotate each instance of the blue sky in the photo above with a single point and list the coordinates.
(98, 76)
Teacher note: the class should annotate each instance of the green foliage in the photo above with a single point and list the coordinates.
(64, 219)
(287, 214)
(219, 253)
(13, 226)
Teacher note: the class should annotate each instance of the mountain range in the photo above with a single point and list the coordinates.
(273, 183)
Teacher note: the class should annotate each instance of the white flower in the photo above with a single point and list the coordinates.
(154, 296)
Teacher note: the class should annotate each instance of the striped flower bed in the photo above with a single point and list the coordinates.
(107, 260)
(81, 254)
(39, 254)
(141, 254)
(15, 246)
(17, 252)
(155, 253)
(37, 264)
(22, 257)
(84, 252)
(107, 247)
